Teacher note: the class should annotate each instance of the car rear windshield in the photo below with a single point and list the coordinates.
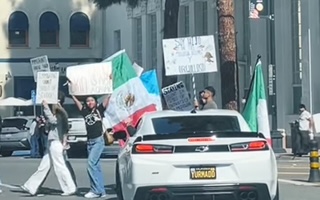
(19, 123)
(187, 124)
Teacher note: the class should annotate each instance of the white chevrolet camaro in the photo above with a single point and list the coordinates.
(207, 155)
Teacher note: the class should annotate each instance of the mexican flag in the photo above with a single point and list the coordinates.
(255, 111)
(130, 98)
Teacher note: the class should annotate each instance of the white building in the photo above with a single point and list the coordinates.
(67, 31)
(139, 31)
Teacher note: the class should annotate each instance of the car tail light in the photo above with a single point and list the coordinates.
(249, 146)
(151, 148)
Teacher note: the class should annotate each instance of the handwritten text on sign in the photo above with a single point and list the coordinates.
(190, 55)
(90, 79)
(177, 97)
(47, 87)
(39, 64)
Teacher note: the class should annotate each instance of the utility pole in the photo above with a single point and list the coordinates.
(272, 66)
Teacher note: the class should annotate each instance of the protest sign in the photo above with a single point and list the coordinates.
(190, 55)
(47, 87)
(90, 79)
(39, 64)
(177, 98)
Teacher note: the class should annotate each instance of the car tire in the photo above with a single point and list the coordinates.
(6, 153)
(277, 194)
(118, 184)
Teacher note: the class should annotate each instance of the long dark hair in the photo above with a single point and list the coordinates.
(62, 116)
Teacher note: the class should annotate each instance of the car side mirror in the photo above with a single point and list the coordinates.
(120, 135)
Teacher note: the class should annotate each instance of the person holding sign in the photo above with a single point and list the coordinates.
(93, 114)
(57, 125)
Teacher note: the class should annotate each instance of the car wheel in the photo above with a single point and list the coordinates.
(277, 194)
(6, 153)
(118, 184)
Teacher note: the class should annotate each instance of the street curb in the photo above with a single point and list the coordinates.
(298, 183)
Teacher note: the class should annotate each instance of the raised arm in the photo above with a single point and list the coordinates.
(47, 112)
(77, 102)
(105, 102)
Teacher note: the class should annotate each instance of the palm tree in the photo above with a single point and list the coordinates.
(228, 52)
(170, 29)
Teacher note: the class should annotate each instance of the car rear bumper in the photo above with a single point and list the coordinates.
(252, 191)
(14, 145)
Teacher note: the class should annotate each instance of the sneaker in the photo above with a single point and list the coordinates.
(103, 196)
(26, 190)
(68, 194)
(91, 195)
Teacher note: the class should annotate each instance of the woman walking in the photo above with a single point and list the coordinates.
(93, 114)
(57, 126)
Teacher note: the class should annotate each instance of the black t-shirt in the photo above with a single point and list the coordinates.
(93, 121)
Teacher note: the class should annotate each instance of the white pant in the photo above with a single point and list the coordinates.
(56, 157)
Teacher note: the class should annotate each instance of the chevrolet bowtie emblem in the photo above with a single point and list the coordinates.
(202, 149)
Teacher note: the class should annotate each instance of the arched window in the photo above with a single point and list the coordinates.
(49, 29)
(18, 27)
(79, 30)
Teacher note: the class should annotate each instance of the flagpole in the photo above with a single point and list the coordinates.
(251, 81)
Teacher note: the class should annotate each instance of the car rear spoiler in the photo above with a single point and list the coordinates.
(184, 135)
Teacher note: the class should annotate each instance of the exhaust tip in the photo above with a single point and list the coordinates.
(252, 196)
(153, 197)
(243, 195)
(163, 197)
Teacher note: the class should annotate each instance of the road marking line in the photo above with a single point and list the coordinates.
(298, 183)
(290, 161)
(292, 167)
(293, 173)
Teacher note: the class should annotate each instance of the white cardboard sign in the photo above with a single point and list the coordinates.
(177, 98)
(90, 79)
(39, 64)
(190, 55)
(47, 87)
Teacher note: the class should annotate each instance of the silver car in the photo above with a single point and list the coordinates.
(15, 134)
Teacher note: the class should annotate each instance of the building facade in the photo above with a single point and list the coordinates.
(139, 31)
(296, 43)
(69, 32)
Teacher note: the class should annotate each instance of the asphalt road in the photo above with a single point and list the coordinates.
(16, 170)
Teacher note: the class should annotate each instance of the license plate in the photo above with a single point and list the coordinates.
(8, 135)
(203, 173)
